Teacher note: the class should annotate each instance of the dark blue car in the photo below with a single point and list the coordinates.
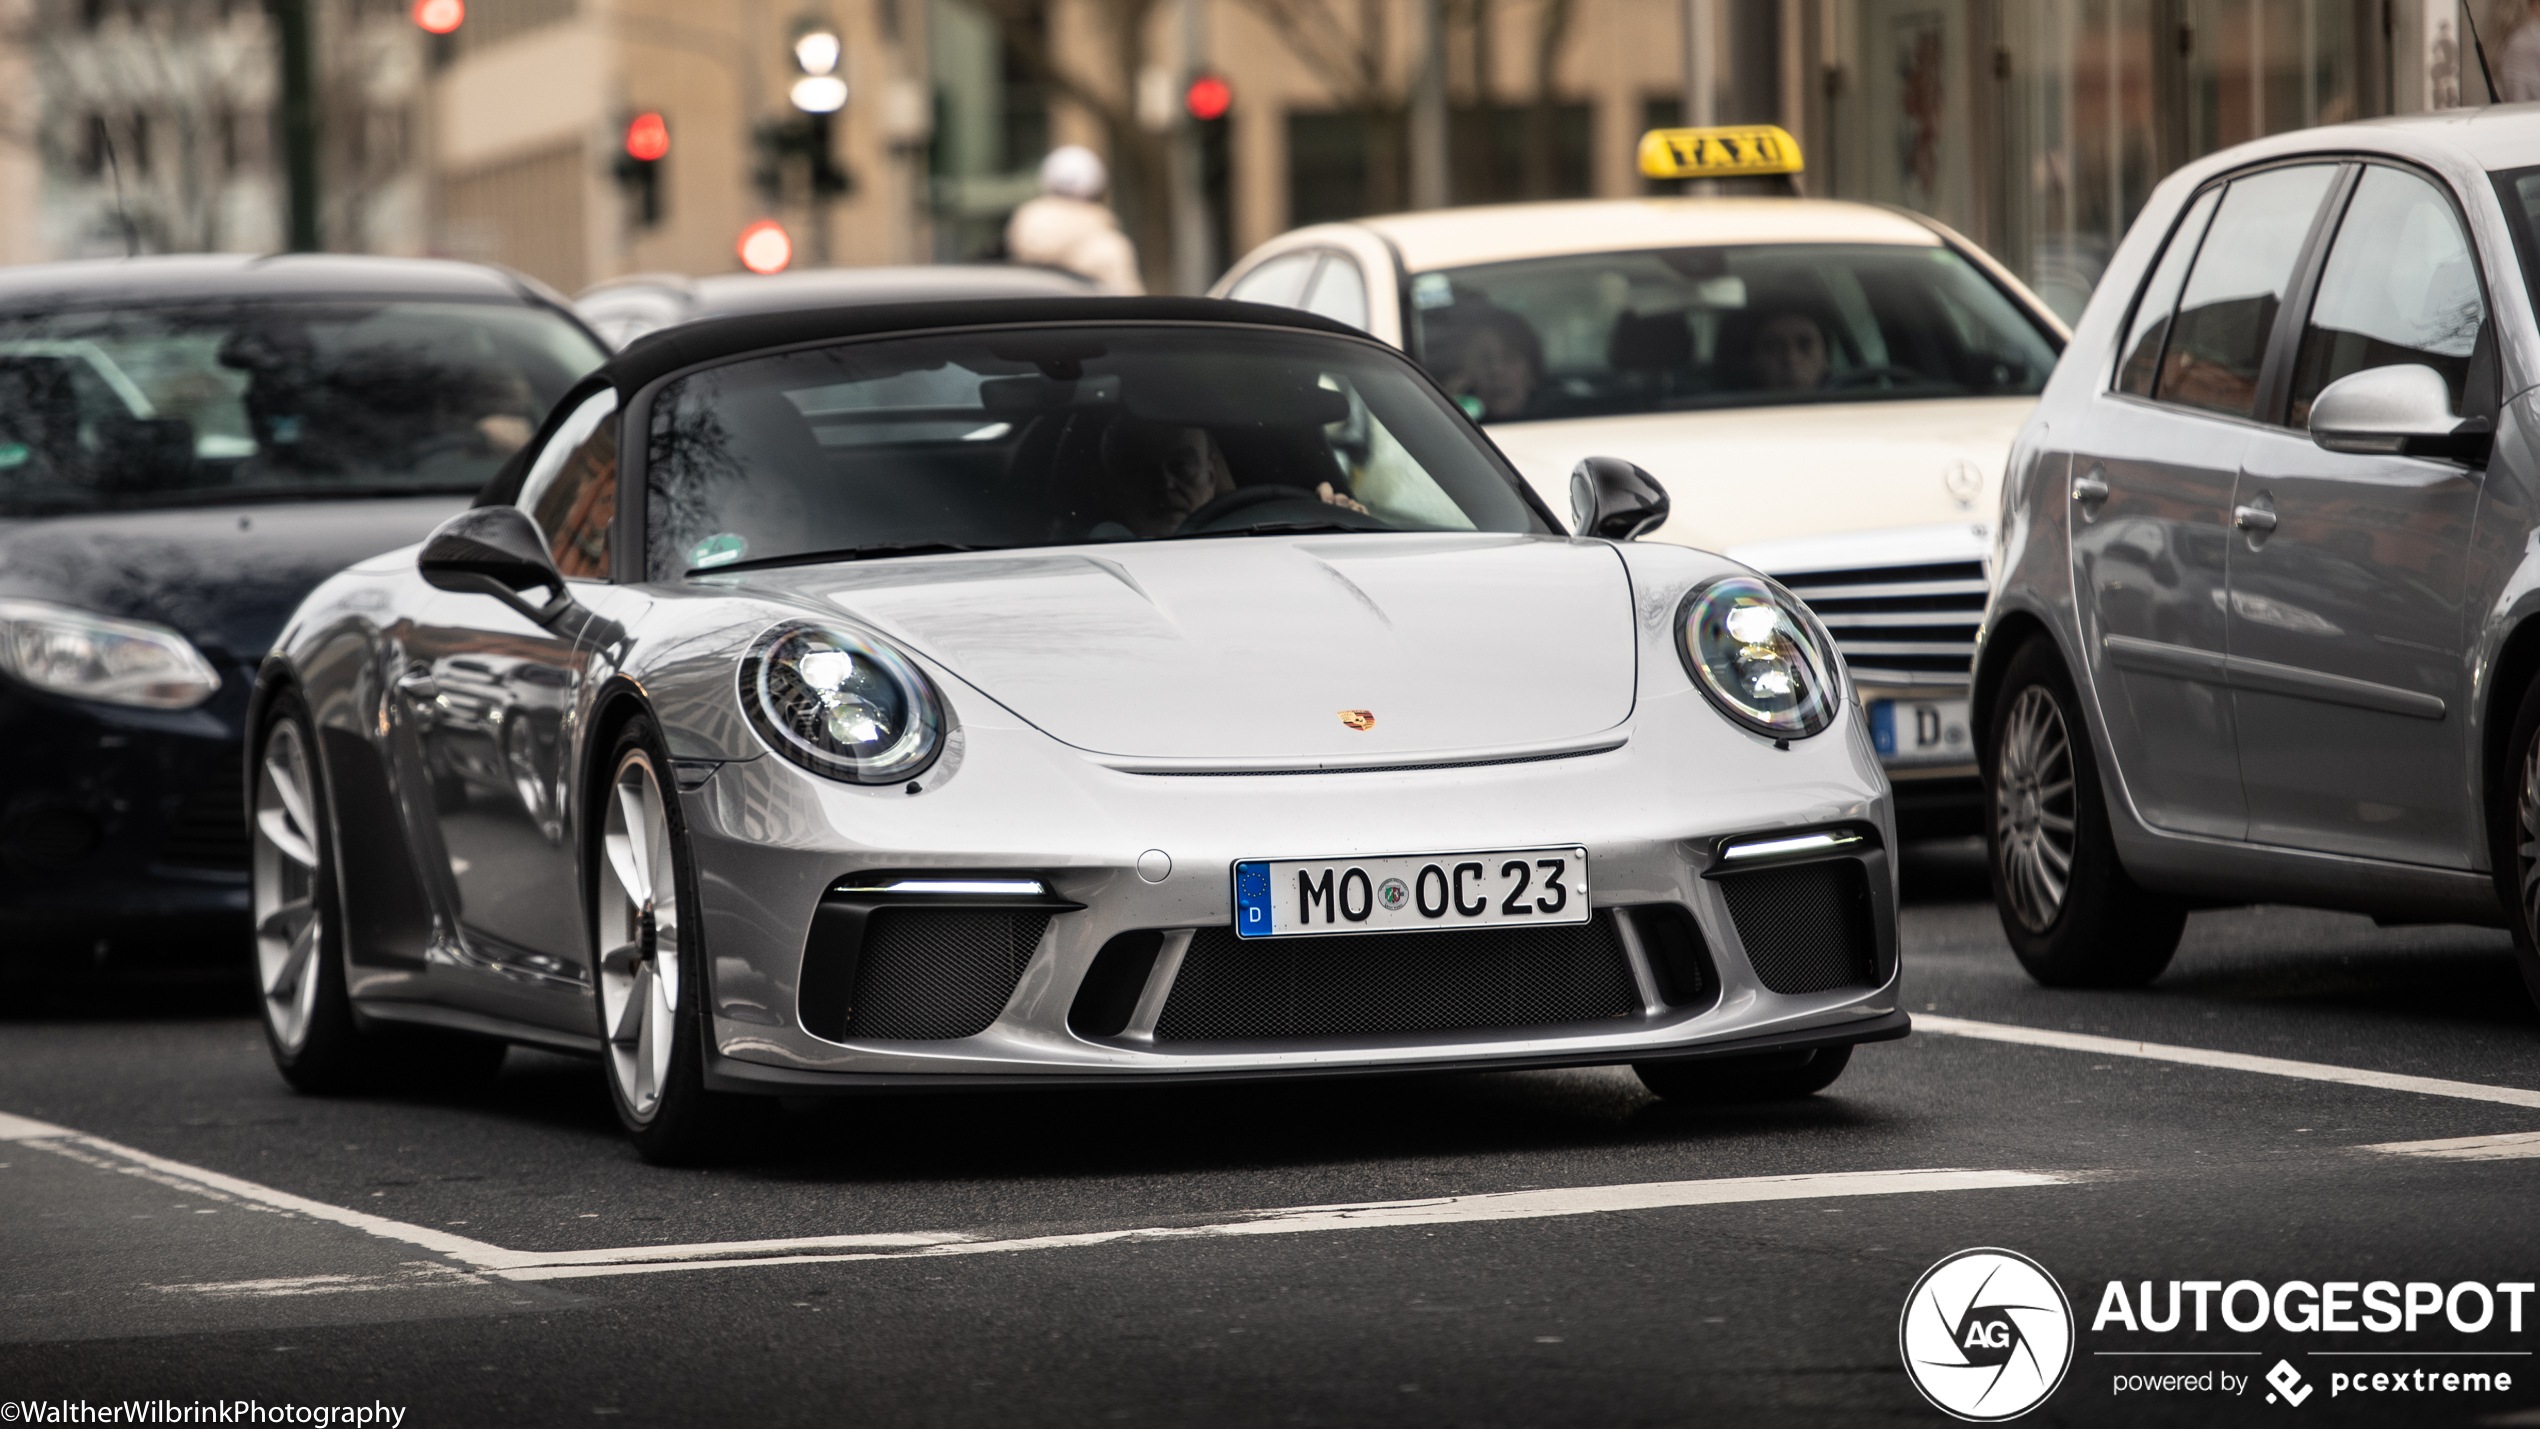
(187, 446)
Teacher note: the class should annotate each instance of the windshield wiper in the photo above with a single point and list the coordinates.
(844, 553)
(1276, 528)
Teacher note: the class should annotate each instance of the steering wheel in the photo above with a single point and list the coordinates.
(1244, 498)
(1882, 375)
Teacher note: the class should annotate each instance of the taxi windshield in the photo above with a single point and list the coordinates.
(1685, 329)
(1056, 436)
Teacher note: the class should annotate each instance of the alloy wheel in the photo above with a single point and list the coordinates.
(2527, 838)
(2033, 808)
(290, 925)
(638, 931)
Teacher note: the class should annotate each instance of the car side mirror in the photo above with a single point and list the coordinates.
(496, 551)
(1611, 498)
(2397, 411)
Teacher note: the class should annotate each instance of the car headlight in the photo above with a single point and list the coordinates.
(97, 657)
(1760, 656)
(842, 704)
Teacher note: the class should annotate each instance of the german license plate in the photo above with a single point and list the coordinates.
(1319, 897)
(1921, 732)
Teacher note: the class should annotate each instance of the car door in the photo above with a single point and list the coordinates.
(493, 694)
(2155, 465)
(2346, 627)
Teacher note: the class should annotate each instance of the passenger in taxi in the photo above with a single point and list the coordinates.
(1484, 352)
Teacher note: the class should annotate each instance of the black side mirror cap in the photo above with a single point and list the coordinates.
(1615, 500)
(496, 551)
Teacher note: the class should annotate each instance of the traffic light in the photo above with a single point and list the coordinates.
(1210, 102)
(639, 164)
(439, 17)
(765, 247)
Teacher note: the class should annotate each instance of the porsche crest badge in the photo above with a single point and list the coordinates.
(1359, 719)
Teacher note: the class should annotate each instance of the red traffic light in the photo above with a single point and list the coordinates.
(1209, 97)
(439, 17)
(647, 136)
(764, 248)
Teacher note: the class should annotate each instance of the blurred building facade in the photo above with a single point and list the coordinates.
(2035, 126)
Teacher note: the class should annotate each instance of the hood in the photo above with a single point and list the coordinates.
(1251, 648)
(226, 577)
(1764, 473)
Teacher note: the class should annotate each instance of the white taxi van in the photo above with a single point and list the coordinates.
(1827, 390)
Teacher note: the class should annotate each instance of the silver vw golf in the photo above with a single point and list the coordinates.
(1014, 693)
(2262, 626)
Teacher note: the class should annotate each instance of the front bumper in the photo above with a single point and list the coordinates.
(770, 841)
(123, 842)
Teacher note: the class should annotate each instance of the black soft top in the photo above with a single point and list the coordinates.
(662, 353)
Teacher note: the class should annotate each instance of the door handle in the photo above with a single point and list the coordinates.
(2093, 487)
(2253, 518)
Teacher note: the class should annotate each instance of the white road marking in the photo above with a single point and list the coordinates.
(1444, 1210)
(2227, 1061)
(2508, 1146)
(479, 1256)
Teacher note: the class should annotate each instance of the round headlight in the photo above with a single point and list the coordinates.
(842, 704)
(1760, 657)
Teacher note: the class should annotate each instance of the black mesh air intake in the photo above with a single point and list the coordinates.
(1464, 979)
(210, 827)
(1807, 928)
(937, 973)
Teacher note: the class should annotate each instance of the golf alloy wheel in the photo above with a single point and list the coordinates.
(290, 921)
(638, 933)
(2033, 808)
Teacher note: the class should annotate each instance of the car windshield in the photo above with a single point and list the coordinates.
(1680, 329)
(1056, 436)
(169, 405)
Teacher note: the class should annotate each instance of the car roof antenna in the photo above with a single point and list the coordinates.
(2480, 46)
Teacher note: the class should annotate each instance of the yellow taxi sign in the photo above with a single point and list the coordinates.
(1727, 151)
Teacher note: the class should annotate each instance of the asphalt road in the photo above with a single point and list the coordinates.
(991, 1287)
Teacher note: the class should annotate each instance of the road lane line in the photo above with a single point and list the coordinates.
(2508, 1146)
(1292, 1220)
(1435, 1211)
(2227, 1061)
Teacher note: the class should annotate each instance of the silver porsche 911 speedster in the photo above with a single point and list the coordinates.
(1049, 691)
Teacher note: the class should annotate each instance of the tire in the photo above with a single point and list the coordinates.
(2072, 914)
(2514, 835)
(648, 966)
(1762, 1077)
(318, 1044)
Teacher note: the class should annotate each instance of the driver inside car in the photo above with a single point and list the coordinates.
(1788, 352)
(1158, 475)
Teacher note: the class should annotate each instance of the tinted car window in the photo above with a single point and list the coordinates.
(121, 407)
(2152, 311)
(1042, 437)
(1684, 329)
(576, 509)
(2219, 340)
(2400, 286)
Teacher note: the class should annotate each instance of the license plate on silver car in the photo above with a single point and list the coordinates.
(1406, 893)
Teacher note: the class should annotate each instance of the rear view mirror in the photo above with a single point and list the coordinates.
(2397, 411)
(1611, 498)
(496, 551)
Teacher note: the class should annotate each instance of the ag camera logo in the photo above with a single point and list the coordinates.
(1987, 1335)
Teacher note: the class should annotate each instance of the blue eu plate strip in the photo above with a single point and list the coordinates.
(1883, 725)
(1252, 900)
